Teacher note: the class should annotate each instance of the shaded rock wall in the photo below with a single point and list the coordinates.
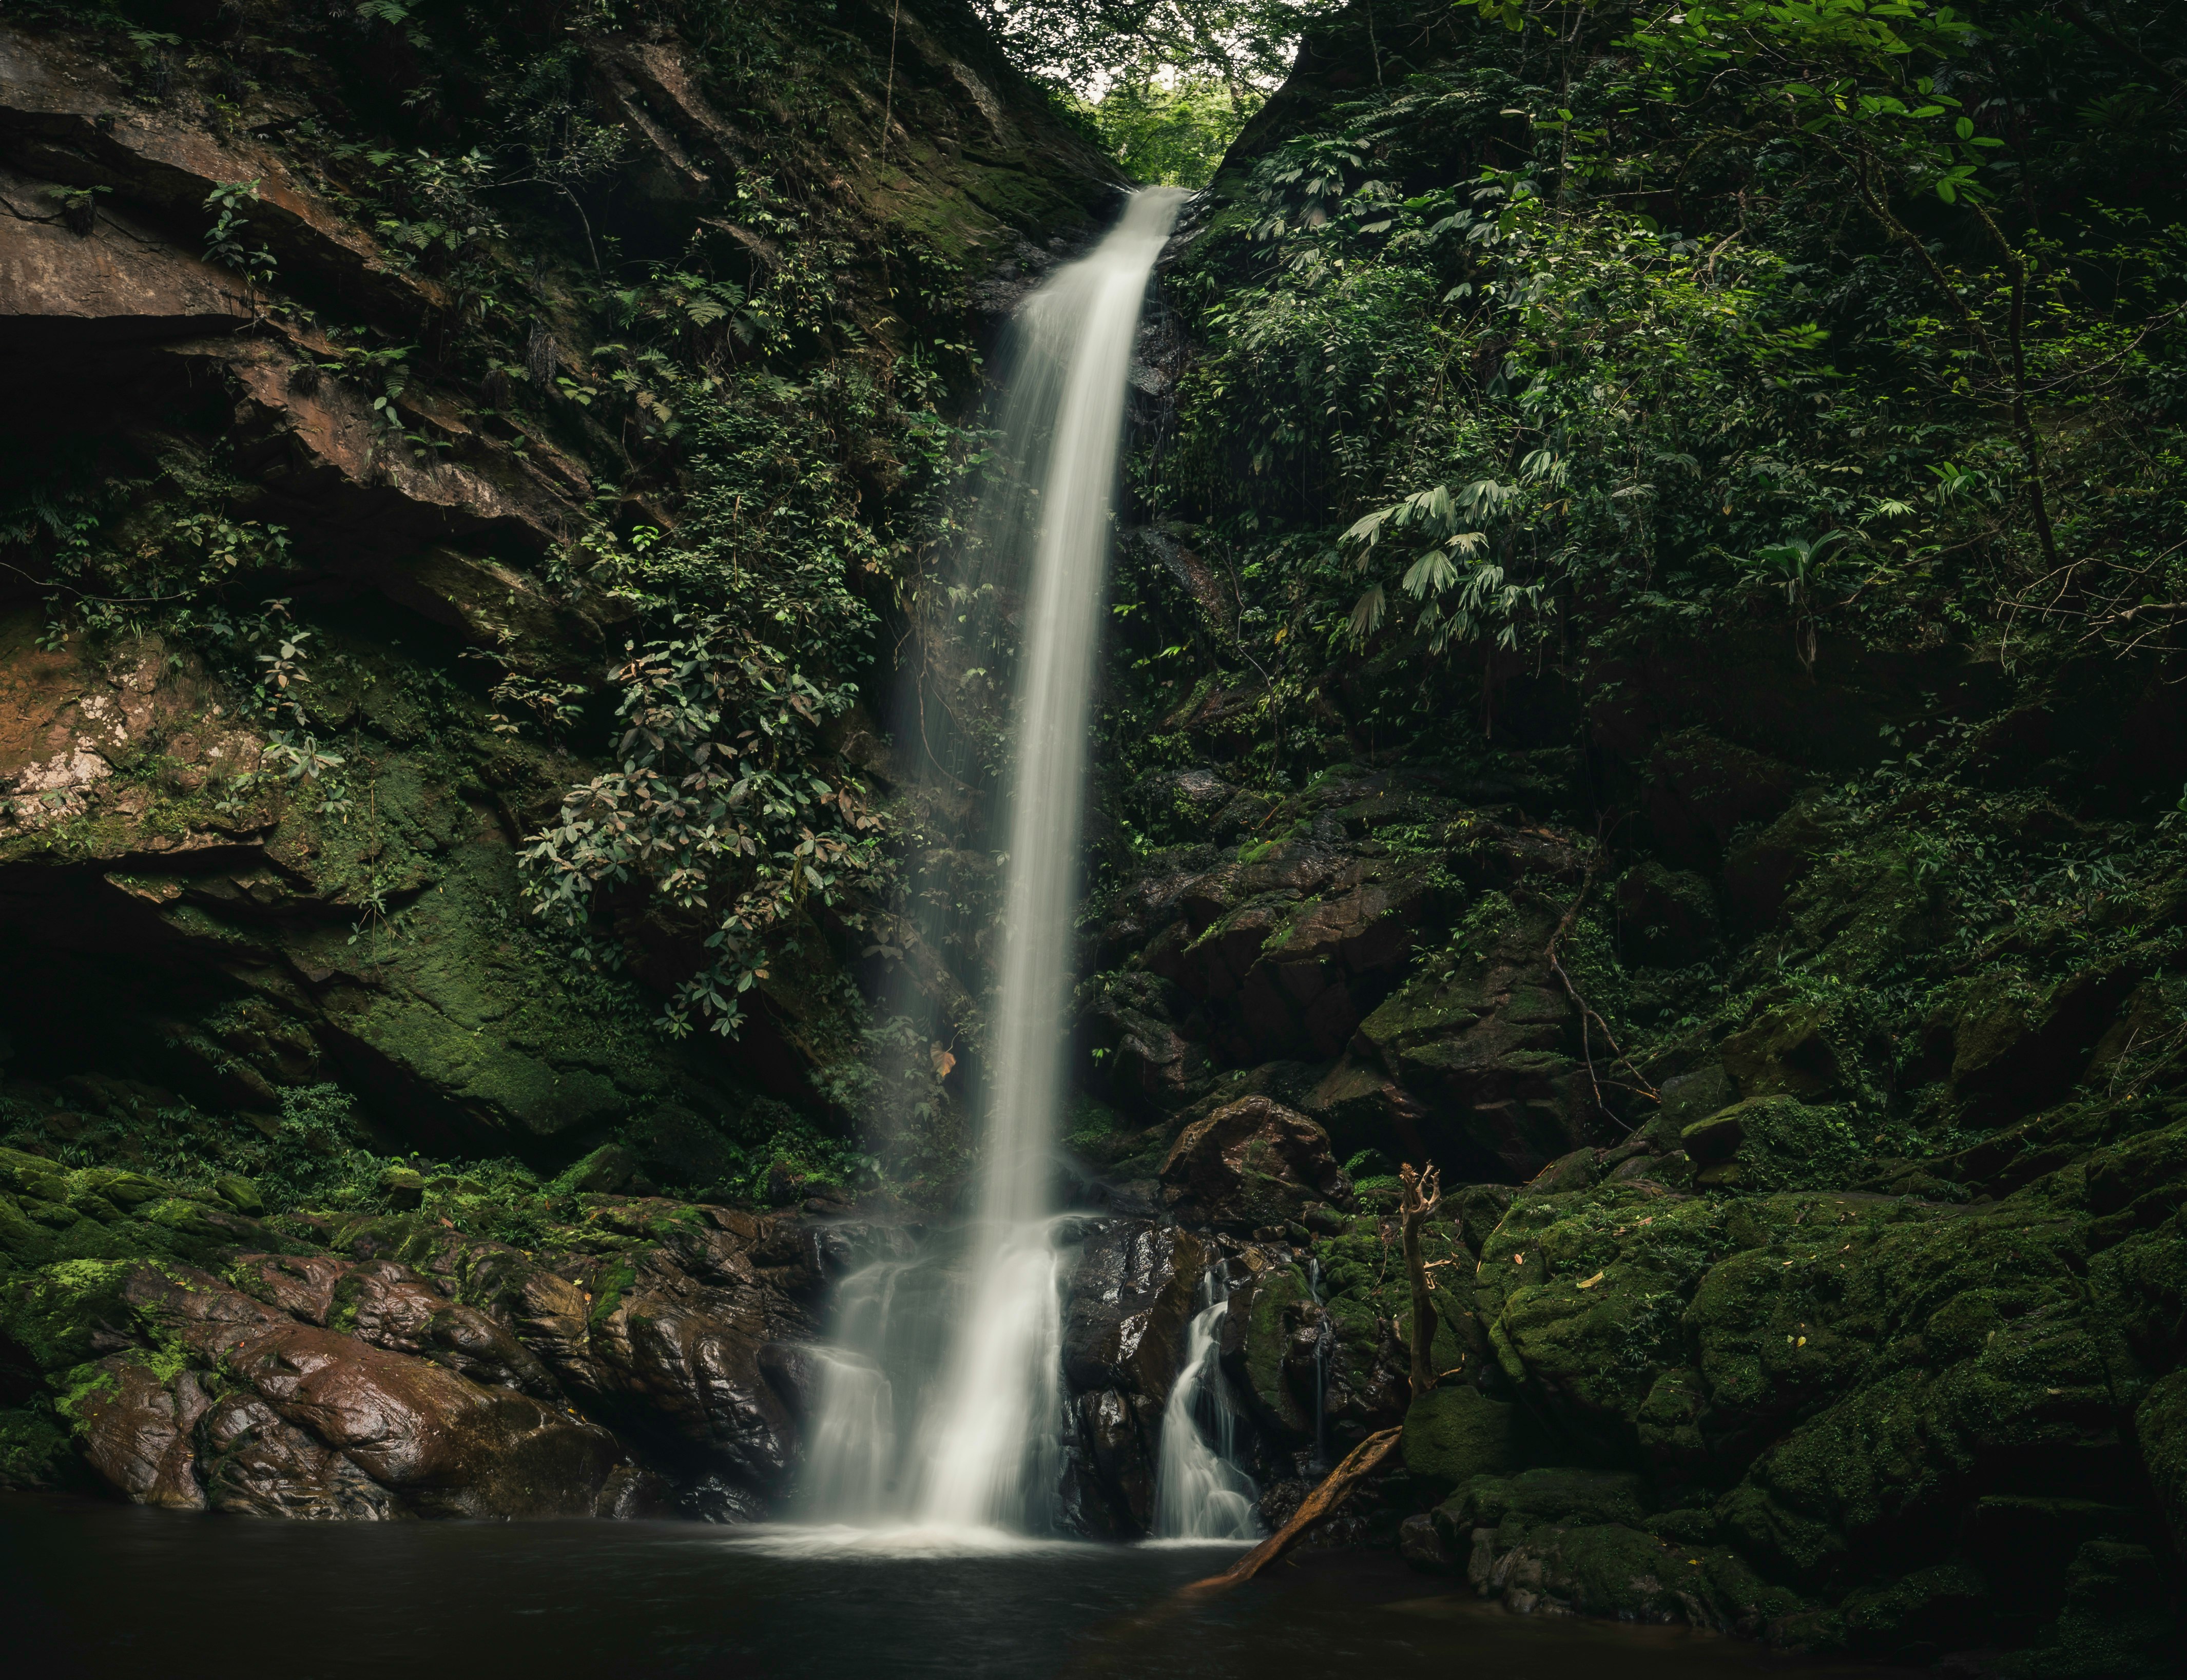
(163, 914)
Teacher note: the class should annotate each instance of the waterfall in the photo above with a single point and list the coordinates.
(976, 1357)
(1200, 1492)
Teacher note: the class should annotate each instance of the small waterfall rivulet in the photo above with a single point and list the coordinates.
(1200, 1492)
(940, 1403)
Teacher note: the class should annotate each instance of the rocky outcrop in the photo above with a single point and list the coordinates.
(1845, 1314)
(385, 417)
(1415, 978)
(393, 1367)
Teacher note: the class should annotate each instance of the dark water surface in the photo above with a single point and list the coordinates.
(94, 1589)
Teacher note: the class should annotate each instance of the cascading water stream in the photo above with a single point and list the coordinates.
(1200, 1492)
(984, 1447)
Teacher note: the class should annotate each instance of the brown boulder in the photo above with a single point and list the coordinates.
(443, 1444)
(1483, 1045)
(387, 1304)
(683, 1363)
(254, 1463)
(1132, 1023)
(1126, 1306)
(446, 1444)
(133, 1426)
(1249, 1166)
(300, 1285)
(118, 281)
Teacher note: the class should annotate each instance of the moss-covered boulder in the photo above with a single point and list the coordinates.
(2118, 1622)
(2161, 1426)
(34, 1448)
(1455, 1433)
(1551, 1494)
(1578, 1541)
(1773, 1142)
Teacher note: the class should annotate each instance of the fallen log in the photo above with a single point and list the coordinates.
(1358, 1464)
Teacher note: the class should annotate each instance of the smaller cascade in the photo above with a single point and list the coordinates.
(851, 1455)
(1199, 1491)
(852, 1451)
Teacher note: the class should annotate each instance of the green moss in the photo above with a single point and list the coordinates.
(2159, 1423)
(1940, 1605)
(24, 1243)
(34, 1450)
(52, 1314)
(1552, 1495)
(609, 1288)
(2117, 1623)
(76, 1388)
(1455, 1433)
(1773, 1143)
(1268, 1340)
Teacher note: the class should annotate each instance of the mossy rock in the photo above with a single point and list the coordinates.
(2160, 1424)
(1773, 1142)
(1793, 1317)
(1583, 1295)
(1454, 1434)
(1942, 1607)
(2039, 1397)
(1685, 1526)
(24, 1242)
(2117, 1623)
(1557, 1494)
(55, 1314)
(240, 1194)
(603, 1173)
(1265, 1342)
(1613, 1569)
(1788, 1052)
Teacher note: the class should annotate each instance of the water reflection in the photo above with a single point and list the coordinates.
(96, 1590)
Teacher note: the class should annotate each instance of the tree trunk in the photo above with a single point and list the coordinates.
(1423, 1195)
(1359, 1464)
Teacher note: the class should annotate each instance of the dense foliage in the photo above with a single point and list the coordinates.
(1860, 320)
(1172, 134)
(1242, 44)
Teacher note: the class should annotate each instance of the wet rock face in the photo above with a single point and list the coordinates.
(1252, 1165)
(253, 1462)
(135, 1431)
(399, 1369)
(684, 1363)
(386, 1304)
(448, 1446)
(1127, 1302)
(1126, 1305)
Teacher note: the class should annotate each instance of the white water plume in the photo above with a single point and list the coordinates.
(979, 1349)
